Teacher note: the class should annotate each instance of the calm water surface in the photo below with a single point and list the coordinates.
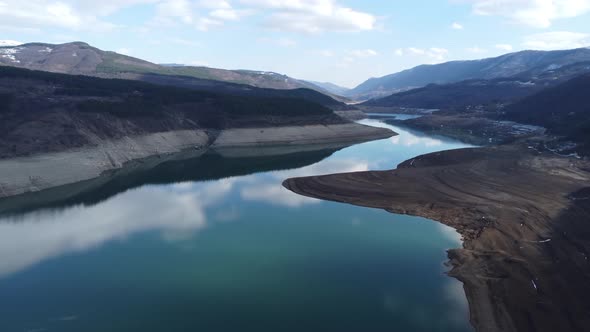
(217, 244)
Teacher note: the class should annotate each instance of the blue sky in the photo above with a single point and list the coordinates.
(341, 41)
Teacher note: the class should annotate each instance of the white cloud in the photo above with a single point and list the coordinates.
(214, 4)
(352, 56)
(225, 14)
(202, 15)
(310, 16)
(313, 16)
(363, 53)
(184, 42)
(476, 50)
(557, 40)
(325, 53)
(535, 13)
(77, 228)
(124, 50)
(399, 52)
(433, 54)
(437, 52)
(457, 26)
(10, 43)
(282, 42)
(68, 14)
(504, 47)
(417, 51)
(172, 10)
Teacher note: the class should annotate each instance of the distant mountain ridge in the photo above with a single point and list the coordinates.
(82, 59)
(79, 58)
(508, 65)
(563, 110)
(467, 93)
(331, 87)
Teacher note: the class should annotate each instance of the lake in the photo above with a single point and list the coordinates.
(217, 244)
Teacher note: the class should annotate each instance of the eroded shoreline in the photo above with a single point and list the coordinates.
(40, 172)
(522, 215)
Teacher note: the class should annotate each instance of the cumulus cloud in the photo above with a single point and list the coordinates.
(10, 43)
(504, 47)
(535, 13)
(124, 50)
(324, 53)
(476, 50)
(282, 42)
(457, 26)
(78, 228)
(202, 15)
(312, 16)
(363, 53)
(271, 190)
(433, 54)
(309, 16)
(89, 15)
(557, 40)
(437, 54)
(69, 14)
(214, 4)
(352, 56)
(416, 50)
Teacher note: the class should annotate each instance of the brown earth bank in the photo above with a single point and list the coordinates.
(525, 221)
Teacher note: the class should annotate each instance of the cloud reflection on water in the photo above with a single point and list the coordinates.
(411, 140)
(28, 239)
(270, 189)
(177, 210)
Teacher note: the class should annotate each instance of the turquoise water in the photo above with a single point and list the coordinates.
(176, 250)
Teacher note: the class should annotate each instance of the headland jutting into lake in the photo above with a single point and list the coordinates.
(523, 217)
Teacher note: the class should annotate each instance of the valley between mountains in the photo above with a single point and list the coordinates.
(71, 115)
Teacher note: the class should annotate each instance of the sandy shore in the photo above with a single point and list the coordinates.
(44, 171)
(523, 216)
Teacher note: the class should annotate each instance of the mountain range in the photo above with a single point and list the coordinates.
(79, 58)
(539, 67)
(331, 88)
(564, 110)
(481, 92)
(512, 65)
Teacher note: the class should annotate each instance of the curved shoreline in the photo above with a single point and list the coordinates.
(524, 262)
(40, 172)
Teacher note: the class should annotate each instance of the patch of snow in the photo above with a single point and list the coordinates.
(267, 73)
(9, 53)
(46, 50)
(529, 83)
(553, 67)
(534, 284)
(10, 57)
(74, 54)
(10, 50)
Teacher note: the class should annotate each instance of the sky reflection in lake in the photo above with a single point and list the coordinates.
(197, 251)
